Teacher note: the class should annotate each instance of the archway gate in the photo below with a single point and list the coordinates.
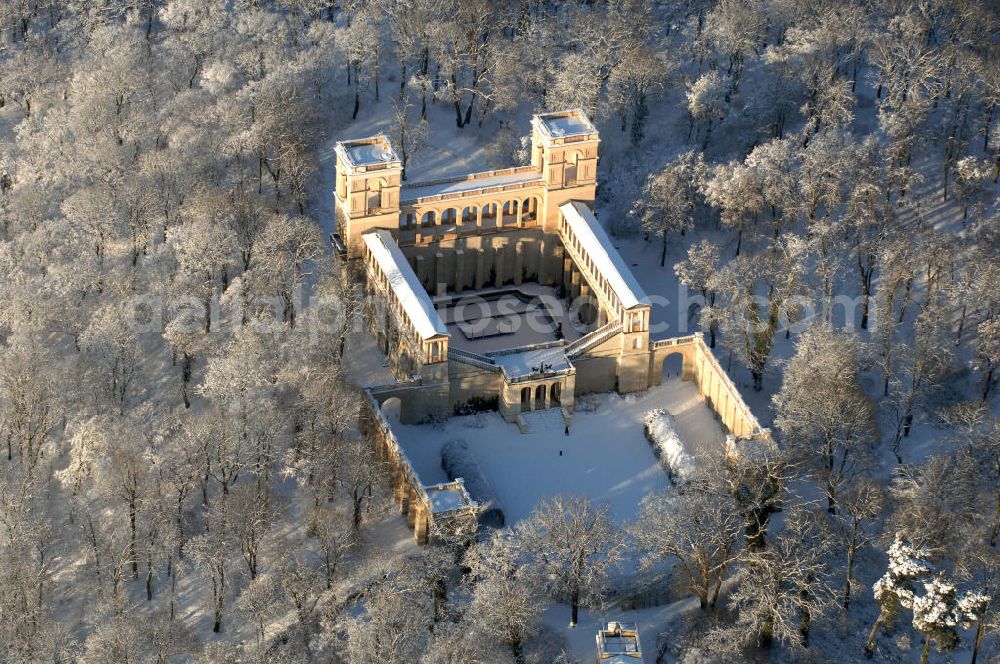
(714, 385)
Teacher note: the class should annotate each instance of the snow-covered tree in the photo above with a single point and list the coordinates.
(736, 191)
(940, 612)
(670, 198)
(754, 295)
(897, 588)
(29, 403)
(971, 177)
(824, 416)
(781, 591)
(505, 600)
(574, 546)
(937, 502)
(708, 102)
(695, 272)
(394, 625)
(699, 527)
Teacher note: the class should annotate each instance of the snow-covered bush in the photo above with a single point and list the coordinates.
(587, 403)
(667, 445)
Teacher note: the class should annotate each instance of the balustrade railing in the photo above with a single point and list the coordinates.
(476, 360)
(591, 339)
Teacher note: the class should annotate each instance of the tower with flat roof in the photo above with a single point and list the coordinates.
(369, 175)
(564, 149)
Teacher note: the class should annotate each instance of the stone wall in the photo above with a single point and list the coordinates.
(714, 385)
(407, 490)
(469, 383)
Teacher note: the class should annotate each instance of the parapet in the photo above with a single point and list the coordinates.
(367, 154)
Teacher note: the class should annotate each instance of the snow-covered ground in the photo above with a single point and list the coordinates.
(606, 455)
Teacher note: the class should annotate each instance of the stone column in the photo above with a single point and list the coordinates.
(498, 261)
(440, 274)
(519, 263)
(404, 499)
(481, 254)
(422, 270)
(459, 270)
(413, 505)
(420, 525)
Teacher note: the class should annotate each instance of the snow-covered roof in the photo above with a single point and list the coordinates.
(448, 496)
(564, 123)
(445, 500)
(412, 192)
(618, 643)
(606, 258)
(404, 283)
(367, 151)
(532, 361)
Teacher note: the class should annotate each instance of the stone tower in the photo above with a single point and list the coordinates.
(564, 149)
(369, 174)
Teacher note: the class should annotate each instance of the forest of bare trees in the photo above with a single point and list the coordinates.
(184, 479)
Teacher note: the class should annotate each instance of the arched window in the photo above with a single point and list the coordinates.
(571, 171)
(509, 213)
(376, 195)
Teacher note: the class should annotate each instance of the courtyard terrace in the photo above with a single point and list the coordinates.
(493, 319)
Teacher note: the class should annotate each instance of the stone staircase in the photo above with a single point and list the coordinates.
(549, 421)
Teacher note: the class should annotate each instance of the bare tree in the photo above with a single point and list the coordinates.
(332, 529)
(825, 417)
(782, 589)
(936, 503)
(29, 403)
(699, 527)
(359, 476)
(860, 505)
(300, 585)
(210, 552)
(394, 625)
(756, 479)
(410, 138)
(574, 545)
(505, 602)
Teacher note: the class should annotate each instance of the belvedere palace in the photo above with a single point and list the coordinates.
(501, 291)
